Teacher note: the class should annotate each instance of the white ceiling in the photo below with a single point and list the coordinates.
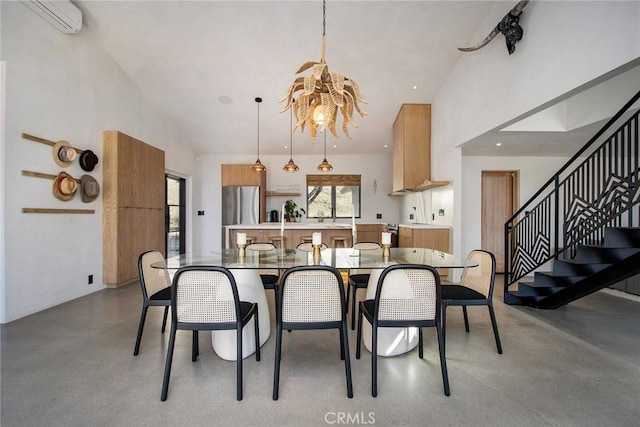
(201, 64)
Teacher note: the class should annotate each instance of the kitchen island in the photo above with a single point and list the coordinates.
(333, 234)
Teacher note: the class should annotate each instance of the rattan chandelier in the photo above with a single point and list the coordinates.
(324, 94)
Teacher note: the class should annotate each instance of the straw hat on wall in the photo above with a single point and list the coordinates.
(64, 186)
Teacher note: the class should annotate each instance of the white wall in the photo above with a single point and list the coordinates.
(61, 87)
(370, 167)
(534, 172)
(566, 45)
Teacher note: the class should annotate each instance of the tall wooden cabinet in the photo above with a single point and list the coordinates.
(133, 194)
(234, 175)
(411, 146)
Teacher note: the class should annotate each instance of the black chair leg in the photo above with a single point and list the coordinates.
(495, 329)
(347, 359)
(195, 347)
(341, 346)
(466, 318)
(239, 363)
(348, 292)
(143, 316)
(374, 360)
(359, 335)
(256, 328)
(167, 366)
(443, 361)
(353, 309)
(443, 314)
(420, 348)
(276, 368)
(164, 318)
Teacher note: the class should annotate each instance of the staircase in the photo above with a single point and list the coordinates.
(584, 222)
(593, 268)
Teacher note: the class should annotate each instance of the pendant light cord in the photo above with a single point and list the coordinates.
(325, 145)
(324, 18)
(291, 133)
(258, 100)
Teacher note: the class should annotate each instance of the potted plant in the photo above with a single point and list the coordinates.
(291, 211)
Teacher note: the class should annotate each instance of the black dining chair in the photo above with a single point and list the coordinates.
(308, 247)
(474, 289)
(359, 279)
(206, 298)
(156, 289)
(269, 279)
(407, 295)
(311, 297)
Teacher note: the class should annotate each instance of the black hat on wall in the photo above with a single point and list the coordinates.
(88, 160)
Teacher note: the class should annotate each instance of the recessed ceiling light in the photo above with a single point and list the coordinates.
(415, 87)
(386, 145)
(334, 145)
(498, 144)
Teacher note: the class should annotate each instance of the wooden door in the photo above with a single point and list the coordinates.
(499, 190)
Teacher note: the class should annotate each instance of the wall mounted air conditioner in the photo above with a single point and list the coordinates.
(62, 14)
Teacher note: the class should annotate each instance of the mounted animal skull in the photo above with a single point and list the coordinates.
(508, 26)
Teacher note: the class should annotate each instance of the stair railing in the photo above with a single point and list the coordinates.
(575, 205)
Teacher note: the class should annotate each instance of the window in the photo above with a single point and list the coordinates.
(333, 196)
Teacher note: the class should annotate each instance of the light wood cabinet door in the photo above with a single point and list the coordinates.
(405, 237)
(133, 194)
(370, 232)
(437, 239)
(411, 146)
(135, 172)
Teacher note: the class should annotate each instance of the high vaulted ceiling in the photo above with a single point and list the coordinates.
(201, 64)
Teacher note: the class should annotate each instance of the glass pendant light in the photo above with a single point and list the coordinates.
(291, 165)
(257, 166)
(325, 166)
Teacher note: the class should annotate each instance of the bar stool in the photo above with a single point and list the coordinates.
(339, 241)
(306, 239)
(278, 241)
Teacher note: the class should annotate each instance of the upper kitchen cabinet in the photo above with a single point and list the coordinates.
(411, 146)
(241, 174)
(412, 150)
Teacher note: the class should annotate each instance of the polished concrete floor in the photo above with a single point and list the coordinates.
(73, 365)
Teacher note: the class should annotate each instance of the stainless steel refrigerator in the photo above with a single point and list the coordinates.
(240, 205)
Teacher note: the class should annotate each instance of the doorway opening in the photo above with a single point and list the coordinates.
(175, 215)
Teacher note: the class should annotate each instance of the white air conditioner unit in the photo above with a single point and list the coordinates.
(62, 14)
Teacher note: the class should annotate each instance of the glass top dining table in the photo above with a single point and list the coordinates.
(340, 258)
(245, 269)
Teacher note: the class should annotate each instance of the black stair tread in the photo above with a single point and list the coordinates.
(552, 280)
(536, 291)
(601, 254)
(622, 237)
(571, 267)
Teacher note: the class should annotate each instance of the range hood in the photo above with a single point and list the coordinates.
(427, 184)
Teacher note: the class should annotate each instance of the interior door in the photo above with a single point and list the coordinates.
(499, 191)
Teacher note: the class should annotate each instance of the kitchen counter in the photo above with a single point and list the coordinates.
(426, 226)
(292, 226)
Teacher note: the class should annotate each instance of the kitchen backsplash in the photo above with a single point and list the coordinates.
(429, 207)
